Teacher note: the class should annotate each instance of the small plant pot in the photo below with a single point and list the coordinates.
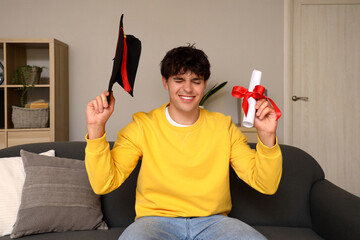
(34, 77)
(30, 117)
(27, 75)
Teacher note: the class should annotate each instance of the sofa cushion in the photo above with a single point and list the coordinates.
(12, 177)
(57, 196)
(286, 233)
(110, 234)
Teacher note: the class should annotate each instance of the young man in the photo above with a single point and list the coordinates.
(183, 187)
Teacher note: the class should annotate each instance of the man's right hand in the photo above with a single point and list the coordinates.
(98, 111)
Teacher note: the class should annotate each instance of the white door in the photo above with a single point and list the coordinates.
(326, 70)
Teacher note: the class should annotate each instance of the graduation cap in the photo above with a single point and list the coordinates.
(126, 61)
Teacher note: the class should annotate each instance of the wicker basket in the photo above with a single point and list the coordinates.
(30, 117)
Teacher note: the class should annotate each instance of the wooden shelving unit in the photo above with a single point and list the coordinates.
(53, 88)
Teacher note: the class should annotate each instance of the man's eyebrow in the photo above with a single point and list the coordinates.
(192, 79)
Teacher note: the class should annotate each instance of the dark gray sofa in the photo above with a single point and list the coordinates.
(306, 206)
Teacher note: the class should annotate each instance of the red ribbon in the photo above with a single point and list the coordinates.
(257, 93)
(123, 68)
(124, 74)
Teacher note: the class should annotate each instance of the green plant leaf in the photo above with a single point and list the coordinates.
(211, 92)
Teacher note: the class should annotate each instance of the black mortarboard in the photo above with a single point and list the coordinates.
(126, 61)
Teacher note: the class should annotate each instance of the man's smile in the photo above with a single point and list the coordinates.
(187, 98)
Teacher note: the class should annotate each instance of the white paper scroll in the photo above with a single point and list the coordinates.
(248, 121)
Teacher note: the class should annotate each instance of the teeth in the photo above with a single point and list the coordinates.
(187, 98)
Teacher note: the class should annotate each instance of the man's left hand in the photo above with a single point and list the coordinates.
(265, 122)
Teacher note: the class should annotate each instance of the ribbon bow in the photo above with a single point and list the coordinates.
(257, 93)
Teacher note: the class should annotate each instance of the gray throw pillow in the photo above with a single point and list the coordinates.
(56, 197)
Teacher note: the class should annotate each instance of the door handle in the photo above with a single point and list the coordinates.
(296, 98)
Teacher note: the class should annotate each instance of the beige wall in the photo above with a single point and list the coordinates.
(237, 35)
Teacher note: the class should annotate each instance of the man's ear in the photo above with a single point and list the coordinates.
(165, 83)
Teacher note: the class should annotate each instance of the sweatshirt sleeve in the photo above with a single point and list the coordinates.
(260, 168)
(108, 169)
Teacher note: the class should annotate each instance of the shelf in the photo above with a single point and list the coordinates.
(35, 86)
(33, 42)
(27, 136)
(34, 94)
(53, 56)
(27, 129)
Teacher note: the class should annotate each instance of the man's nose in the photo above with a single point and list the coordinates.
(188, 86)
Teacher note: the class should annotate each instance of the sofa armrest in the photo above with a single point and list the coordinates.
(335, 212)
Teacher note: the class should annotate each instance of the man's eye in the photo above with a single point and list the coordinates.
(197, 82)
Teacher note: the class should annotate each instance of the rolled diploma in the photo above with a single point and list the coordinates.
(248, 121)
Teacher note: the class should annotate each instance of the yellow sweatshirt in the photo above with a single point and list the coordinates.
(184, 170)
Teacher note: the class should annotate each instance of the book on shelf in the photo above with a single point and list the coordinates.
(37, 104)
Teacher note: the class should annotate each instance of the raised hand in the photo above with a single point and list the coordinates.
(98, 111)
(265, 122)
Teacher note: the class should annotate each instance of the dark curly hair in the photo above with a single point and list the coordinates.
(185, 58)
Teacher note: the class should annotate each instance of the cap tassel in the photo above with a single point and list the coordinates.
(124, 74)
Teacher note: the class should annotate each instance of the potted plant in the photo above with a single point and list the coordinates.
(22, 117)
(27, 76)
(211, 92)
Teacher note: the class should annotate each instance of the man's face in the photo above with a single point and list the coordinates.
(185, 91)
